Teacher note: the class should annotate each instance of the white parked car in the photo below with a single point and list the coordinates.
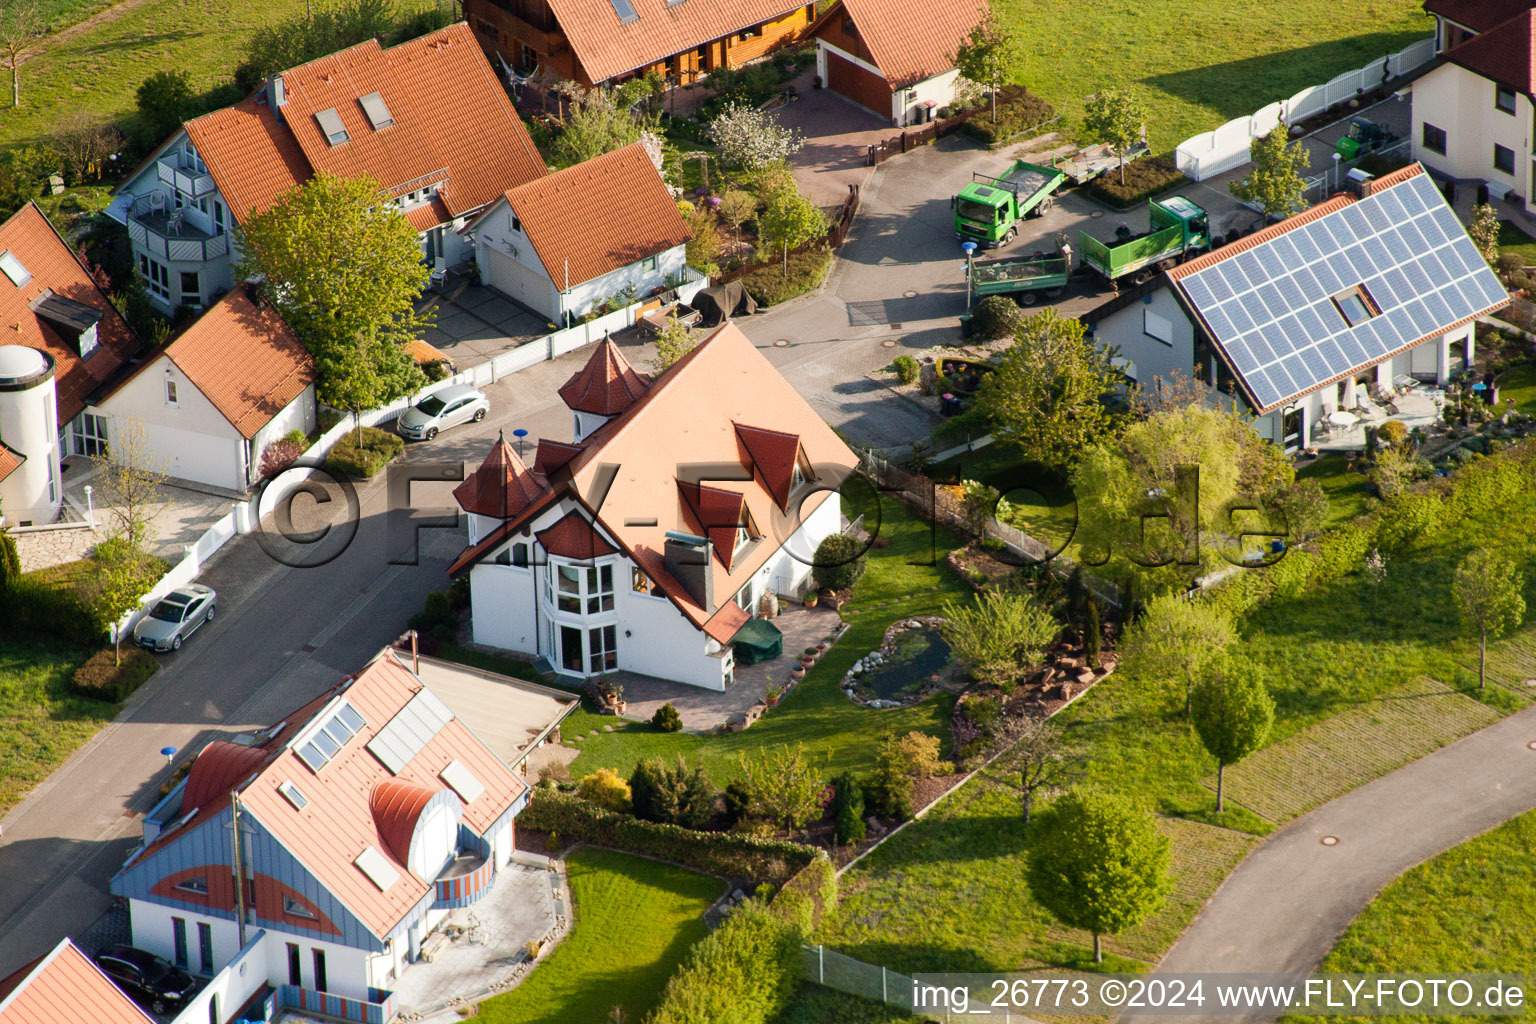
(175, 617)
(441, 410)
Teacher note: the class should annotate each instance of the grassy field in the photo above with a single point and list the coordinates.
(97, 66)
(1512, 239)
(634, 920)
(41, 723)
(1197, 63)
(837, 733)
(1346, 489)
(1471, 909)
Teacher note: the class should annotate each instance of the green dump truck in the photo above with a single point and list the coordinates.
(1179, 229)
(1025, 279)
(988, 210)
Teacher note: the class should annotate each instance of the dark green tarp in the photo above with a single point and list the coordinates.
(757, 641)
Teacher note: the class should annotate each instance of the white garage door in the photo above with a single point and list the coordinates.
(191, 456)
(511, 277)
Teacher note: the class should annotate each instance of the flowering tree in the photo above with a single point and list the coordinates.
(750, 138)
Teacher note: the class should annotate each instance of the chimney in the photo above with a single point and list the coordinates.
(1361, 183)
(687, 558)
(277, 94)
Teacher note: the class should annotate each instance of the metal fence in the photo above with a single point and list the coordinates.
(1321, 186)
(880, 984)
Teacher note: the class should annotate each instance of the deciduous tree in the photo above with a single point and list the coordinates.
(674, 342)
(1119, 118)
(128, 479)
(1047, 398)
(1099, 864)
(21, 31)
(1274, 181)
(1484, 232)
(999, 636)
(1233, 713)
(783, 787)
(598, 123)
(1489, 599)
(991, 56)
(164, 100)
(1304, 507)
(121, 582)
(1177, 639)
(84, 144)
(751, 138)
(737, 207)
(789, 219)
(1041, 762)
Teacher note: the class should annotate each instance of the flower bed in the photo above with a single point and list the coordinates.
(911, 663)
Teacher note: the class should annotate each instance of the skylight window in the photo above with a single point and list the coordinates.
(18, 274)
(379, 871)
(327, 739)
(330, 124)
(1355, 306)
(462, 781)
(291, 792)
(378, 112)
(293, 908)
(625, 10)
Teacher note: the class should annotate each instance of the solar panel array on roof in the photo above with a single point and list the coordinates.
(411, 729)
(1271, 308)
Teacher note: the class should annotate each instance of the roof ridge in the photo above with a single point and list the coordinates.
(1330, 205)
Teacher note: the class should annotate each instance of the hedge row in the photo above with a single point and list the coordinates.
(1014, 118)
(744, 972)
(101, 678)
(1486, 485)
(807, 897)
(1144, 178)
(730, 854)
(39, 606)
(363, 458)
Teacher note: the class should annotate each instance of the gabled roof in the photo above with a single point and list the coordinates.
(773, 454)
(553, 455)
(244, 359)
(502, 486)
(910, 39)
(337, 823)
(29, 237)
(65, 987)
(1477, 15)
(1505, 53)
(606, 385)
(1270, 302)
(606, 46)
(10, 461)
(714, 512)
(572, 536)
(599, 215)
(452, 124)
(689, 416)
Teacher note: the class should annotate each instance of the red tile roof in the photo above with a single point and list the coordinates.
(65, 987)
(606, 47)
(689, 415)
(1505, 53)
(552, 455)
(773, 454)
(911, 39)
(573, 537)
(714, 512)
(453, 123)
(29, 236)
(502, 486)
(244, 359)
(9, 461)
(337, 823)
(606, 385)
(599, 215)
(1477, 15)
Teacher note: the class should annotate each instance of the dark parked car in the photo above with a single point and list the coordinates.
(154, 981)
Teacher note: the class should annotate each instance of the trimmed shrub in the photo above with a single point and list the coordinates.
(921, 754)
(907, 369)
(605, 789)
(770, 285)
(100, 678)
(49, 604)
(10, 561)
(667, 719)
(889, 793)
(839, 562)
(847, 810)
(1144, 178)
(744, 972)
(676, 795)
(278, 456)
(364, 458)
(1020, 117)
(996, 316)
(806, 898)
(730, 854)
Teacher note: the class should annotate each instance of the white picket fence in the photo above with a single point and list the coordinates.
(242, 517)
(1211, 153)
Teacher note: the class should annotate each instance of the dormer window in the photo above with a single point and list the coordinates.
(796, 478)
(87, 341)
(330, 124)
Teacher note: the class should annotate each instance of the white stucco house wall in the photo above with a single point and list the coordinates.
(724, 486)
(1294, 320)
(894, 58)
(1473, 112)
(565, 244)
(211, 401)
(426, 119)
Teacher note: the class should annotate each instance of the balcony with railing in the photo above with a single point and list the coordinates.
(464, 881)
(170, 234)
(186, 180)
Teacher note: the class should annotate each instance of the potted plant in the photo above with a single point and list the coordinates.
(811, 597)
(771, 697)
(809, 654)
(821, 647)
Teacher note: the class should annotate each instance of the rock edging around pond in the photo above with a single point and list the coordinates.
(879, 657)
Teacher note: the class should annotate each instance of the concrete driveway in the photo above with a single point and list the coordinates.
(1286, 904)
(475, 323)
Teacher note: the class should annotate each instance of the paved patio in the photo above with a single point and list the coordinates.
(527, 902)
(702, 709)
(475, 323)
(1418, 408)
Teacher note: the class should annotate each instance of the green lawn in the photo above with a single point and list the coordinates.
(1512, 239)
(634, 920)
(1346, 489)
(1520, 384)
(41, 723)
(907, 578)
(1471, 909)
(98, 67)
(1198, 63)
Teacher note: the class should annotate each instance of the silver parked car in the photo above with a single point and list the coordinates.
(441, 410)
(175, 617)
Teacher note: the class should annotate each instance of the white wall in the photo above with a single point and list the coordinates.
(28, 427)
(584, 296)
(1127, 329)
(790, 567)
(1462, 105)
(907, 104)
(235, 984)
(298, 414)
(191, 440)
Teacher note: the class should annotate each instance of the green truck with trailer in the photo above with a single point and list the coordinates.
(1179, 229)
(1024, 279)
(988, 210)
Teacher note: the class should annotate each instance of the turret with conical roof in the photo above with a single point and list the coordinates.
(502, 487)
(603, 388)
